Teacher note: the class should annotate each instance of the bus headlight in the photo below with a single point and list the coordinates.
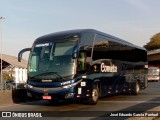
(67, 86)
(71, 85)
(29, 86)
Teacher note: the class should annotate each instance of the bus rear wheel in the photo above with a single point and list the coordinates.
(136, 88)
(95, 96)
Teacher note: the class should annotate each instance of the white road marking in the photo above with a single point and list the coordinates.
(8, 105)
(3, 106)
(129, 101)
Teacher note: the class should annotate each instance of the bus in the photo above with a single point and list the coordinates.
(153, 74)
(84, 65)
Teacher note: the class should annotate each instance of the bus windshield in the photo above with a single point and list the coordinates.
(52, 57)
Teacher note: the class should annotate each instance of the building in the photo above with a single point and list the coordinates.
(154, 58)
(16, 70)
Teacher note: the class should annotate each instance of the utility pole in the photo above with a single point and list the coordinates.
(1, 18)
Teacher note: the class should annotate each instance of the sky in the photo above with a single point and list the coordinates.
(135, 21)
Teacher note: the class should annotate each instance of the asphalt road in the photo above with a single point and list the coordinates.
(130, 105)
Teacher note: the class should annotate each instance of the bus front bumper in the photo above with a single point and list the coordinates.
(51, 93)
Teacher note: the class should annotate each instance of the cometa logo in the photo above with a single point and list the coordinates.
(105, 68)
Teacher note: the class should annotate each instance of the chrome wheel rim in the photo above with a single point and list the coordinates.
(95, 95)
(137, 88)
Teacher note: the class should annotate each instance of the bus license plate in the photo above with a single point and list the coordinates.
(47, 97)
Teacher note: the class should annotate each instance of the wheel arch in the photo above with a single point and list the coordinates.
(97, 83)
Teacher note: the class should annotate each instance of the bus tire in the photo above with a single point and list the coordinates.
(95, 96)
(136, 88)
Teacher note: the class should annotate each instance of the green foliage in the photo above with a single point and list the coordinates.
(154, 42)
(6, 76)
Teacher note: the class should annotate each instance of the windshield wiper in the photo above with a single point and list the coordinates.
(47, 73)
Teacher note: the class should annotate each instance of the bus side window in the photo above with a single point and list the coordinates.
(81, 61)
(33, 63)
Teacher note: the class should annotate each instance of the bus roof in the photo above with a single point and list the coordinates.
(69, 33)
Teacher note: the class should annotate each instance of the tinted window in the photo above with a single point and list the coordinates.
(106, 49)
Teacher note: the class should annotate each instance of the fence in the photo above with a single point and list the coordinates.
(11, 86)
(6, 86)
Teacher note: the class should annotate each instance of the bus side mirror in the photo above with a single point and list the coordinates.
(21, 52)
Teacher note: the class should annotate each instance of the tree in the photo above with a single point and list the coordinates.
(6, 76)
(154, 42)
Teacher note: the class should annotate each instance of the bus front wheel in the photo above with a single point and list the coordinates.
(95, 96)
